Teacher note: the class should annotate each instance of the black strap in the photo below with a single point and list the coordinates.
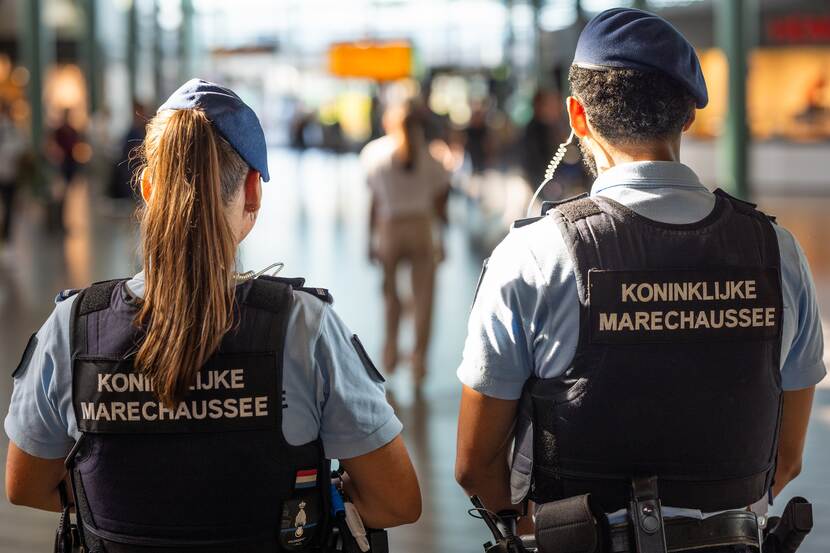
(31, 345)
(67, 537)
(97, 297)
(268, 295)
(579, 209)
(646, 517)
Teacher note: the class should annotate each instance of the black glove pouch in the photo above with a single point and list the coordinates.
(574, 524)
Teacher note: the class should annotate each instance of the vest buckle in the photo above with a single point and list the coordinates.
(646, 516)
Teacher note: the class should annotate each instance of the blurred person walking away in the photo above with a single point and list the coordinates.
(12, 148)
(477, 136)
(63, 150)
(409, 191)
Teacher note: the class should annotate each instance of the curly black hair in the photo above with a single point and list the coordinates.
(629, 105)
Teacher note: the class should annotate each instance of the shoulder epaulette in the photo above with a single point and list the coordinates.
(298, 284)
(319, 293)
(64, 295)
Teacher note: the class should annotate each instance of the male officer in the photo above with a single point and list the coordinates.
(651, 329)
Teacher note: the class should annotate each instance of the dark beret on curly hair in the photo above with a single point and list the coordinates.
(629, 105)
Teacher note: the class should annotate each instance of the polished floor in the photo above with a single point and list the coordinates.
(314, 220)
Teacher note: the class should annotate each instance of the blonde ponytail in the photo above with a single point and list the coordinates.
(188, 247)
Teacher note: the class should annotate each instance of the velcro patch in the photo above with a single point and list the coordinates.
(26, 358)
(373, 371)
(679, 305)
(232, 392)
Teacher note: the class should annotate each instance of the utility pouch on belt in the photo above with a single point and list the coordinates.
(787, 532)
(574, 524)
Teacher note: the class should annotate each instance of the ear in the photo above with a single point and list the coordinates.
(690, 121)
(253, 191)
(146, 186)
(578, 117)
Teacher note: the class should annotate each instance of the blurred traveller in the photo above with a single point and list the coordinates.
(543, 133)
(650, 329)
(409, 195)
(199, 411)
(63, 150)
(12, 148)
(478, 138)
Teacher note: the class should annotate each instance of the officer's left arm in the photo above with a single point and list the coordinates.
(802, 363)
(359, 427)
(485, 432)
(794, 420)
(32, 481)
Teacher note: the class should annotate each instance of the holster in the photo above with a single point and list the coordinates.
(785, 533)
(574, 524)
(340, 539)
(67, 537)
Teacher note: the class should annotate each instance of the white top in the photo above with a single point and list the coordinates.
(398, 192)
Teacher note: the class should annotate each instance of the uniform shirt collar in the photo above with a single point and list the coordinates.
(136, 285)
(647, 174)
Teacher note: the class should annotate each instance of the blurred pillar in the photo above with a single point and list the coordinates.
(640, 4)
(539, 69)
(157, 53)
(91, 55)
(186, 41)
(132, 49)
(33, 47)
(731, 21)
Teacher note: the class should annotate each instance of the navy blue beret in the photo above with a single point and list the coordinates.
(627, 38)
(235, 121)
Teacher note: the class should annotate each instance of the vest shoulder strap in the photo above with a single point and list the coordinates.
(547, 205)
(744, 207)
(298, 284)
(578, 208)
(97, 297)
(268, 294)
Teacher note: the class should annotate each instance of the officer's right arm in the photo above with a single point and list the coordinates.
(498, 360)
(37, 421)
(359, 428)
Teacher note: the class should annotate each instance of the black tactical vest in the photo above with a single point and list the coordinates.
(212, 474)
(676, 373)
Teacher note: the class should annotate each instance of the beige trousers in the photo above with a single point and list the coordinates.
(407, 240)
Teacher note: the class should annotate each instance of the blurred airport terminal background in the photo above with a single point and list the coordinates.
(79, 78)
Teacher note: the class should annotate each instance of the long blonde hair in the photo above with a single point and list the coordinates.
(189, 248)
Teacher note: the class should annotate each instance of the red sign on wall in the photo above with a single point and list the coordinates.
(799, 29)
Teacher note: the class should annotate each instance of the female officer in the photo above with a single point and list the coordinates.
(409, 191)
(199, 412)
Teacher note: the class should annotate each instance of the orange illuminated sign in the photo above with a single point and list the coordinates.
(381, 61)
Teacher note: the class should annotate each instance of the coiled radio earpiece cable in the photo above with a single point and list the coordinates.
(554, 163)
(241, 278)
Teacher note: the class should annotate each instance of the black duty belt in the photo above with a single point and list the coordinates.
(687, 534)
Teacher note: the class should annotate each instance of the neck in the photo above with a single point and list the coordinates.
(612, 155)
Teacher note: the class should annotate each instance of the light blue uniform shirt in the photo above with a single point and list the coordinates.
(525, 320)
(328, 391)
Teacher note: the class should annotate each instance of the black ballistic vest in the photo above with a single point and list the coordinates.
(212, 474)
(676, 372)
